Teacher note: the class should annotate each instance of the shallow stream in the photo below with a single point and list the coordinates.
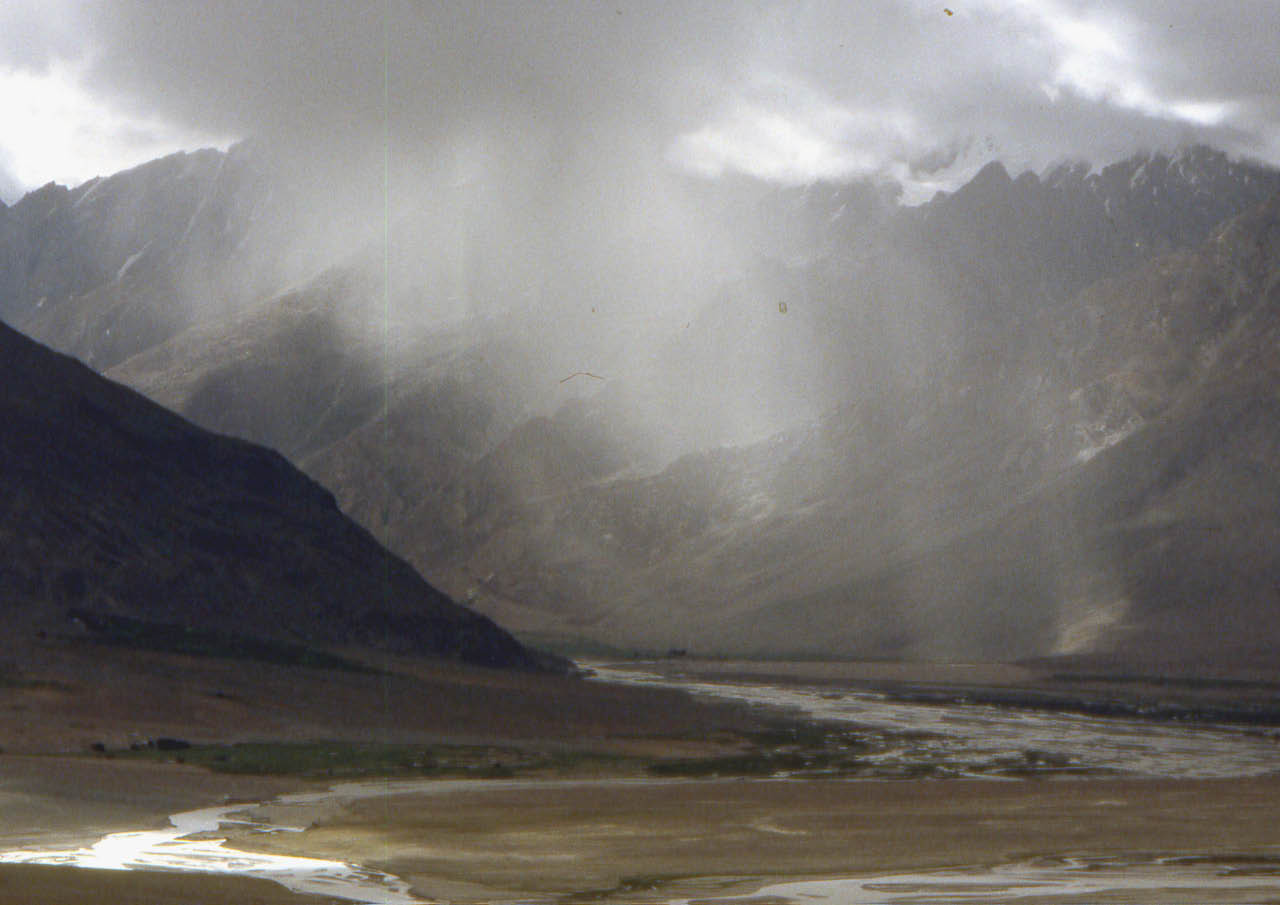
(959, 738)
(190, 844)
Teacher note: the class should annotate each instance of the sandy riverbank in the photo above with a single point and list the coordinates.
(22, 884)
(643, 841)
(51, 801)
(70, 801)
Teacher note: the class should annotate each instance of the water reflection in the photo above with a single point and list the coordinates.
(186, 845)
(966, 739)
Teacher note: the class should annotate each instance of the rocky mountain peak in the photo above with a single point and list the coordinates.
(991, 175)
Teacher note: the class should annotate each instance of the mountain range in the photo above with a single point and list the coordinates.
(1033, 417)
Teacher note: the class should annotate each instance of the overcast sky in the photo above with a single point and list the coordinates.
(920, 92)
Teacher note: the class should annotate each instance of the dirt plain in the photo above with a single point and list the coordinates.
(586, 836)
(649, 841)
(61, 701)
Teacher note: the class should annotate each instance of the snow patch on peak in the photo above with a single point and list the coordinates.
(1095, 438)
(131, 260)
(88, 190)
(1140, 175)
(1083, 627)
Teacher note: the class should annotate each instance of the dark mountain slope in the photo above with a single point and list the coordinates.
(289, 373)
(114, 506)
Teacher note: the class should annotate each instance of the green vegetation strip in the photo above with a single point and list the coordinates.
(15, 679)
(799, 750)
(347, 760)
(800, 754)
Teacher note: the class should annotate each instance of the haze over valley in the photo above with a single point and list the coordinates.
(1010, 422)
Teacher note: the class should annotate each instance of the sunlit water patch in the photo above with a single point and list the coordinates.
(189, 844)
(966, 739)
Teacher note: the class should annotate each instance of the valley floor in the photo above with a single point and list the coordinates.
(589, 824)
(22, 884)
(663, 841)
(631, 841)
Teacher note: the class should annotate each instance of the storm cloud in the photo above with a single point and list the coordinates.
(784, 91)
(548, 157)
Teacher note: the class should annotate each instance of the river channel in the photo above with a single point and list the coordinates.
(962, 739)
(958, 735)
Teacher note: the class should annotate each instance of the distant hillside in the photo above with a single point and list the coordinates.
(111, 267)
(114, 508)
(1108, 494)
(1084, 473)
